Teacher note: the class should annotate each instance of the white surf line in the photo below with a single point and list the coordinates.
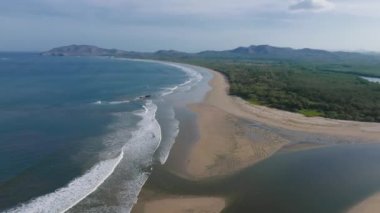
(183, 67)
(46, 203)
(169, 90)
(371, 79)
(159, 130)
(118, 102)
(99, 184)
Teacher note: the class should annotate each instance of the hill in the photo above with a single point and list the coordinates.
(83, 50)
(253, 52)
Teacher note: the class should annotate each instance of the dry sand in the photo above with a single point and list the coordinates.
(288, 120)
(224, 148)
(370, 205)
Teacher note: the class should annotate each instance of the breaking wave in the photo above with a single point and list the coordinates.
(99, 102)
(147, 135)
(169, 91)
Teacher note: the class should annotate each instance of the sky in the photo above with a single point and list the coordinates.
(190, 25)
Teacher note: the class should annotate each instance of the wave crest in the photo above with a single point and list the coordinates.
(63, 199)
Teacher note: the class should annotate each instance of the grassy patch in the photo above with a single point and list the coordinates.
(310, 113)
(254, 101)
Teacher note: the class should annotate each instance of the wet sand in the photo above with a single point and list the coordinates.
(224, 147)
(369, 205)
(186, 204)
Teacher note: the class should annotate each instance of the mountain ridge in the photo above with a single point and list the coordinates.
(250, 52)
(81, 50)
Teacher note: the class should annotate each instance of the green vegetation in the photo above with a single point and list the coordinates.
(313, 93)
(310, 113)
(306, 88)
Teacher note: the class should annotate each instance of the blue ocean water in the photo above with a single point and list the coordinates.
(67, 123)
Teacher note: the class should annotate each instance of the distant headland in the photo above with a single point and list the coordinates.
(250, 52)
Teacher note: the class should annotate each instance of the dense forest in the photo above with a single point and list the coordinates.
(333, 95)
(311, 89)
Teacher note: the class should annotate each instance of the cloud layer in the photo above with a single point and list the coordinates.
(190, 25)
(312, 5)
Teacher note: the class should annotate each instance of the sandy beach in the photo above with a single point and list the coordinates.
(369, 205)
(226, 144)
(185, 204)
(223, 148)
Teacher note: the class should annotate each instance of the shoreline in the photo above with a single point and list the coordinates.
(368, 205)
(224, 147)
(219, 113)
(288, 120)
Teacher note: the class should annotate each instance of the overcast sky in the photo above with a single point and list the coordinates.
(190, 25)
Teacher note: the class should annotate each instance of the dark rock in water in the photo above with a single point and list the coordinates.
(144, 97)
(148, 169)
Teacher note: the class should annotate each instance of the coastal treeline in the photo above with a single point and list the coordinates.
(303, 88)
(327, 94)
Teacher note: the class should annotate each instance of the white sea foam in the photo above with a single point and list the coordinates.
(194, 76)
(65, 198)
(173, 126)
(118, 102)
(169, 91)
(185, 83)
(146, 136)
(100, 102)
(371, 79)
(139, 155)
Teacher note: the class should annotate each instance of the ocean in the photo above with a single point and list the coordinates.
(81, 134)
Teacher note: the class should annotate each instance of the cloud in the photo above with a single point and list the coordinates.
(362, 8)
(209, 8)
(312, 5)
